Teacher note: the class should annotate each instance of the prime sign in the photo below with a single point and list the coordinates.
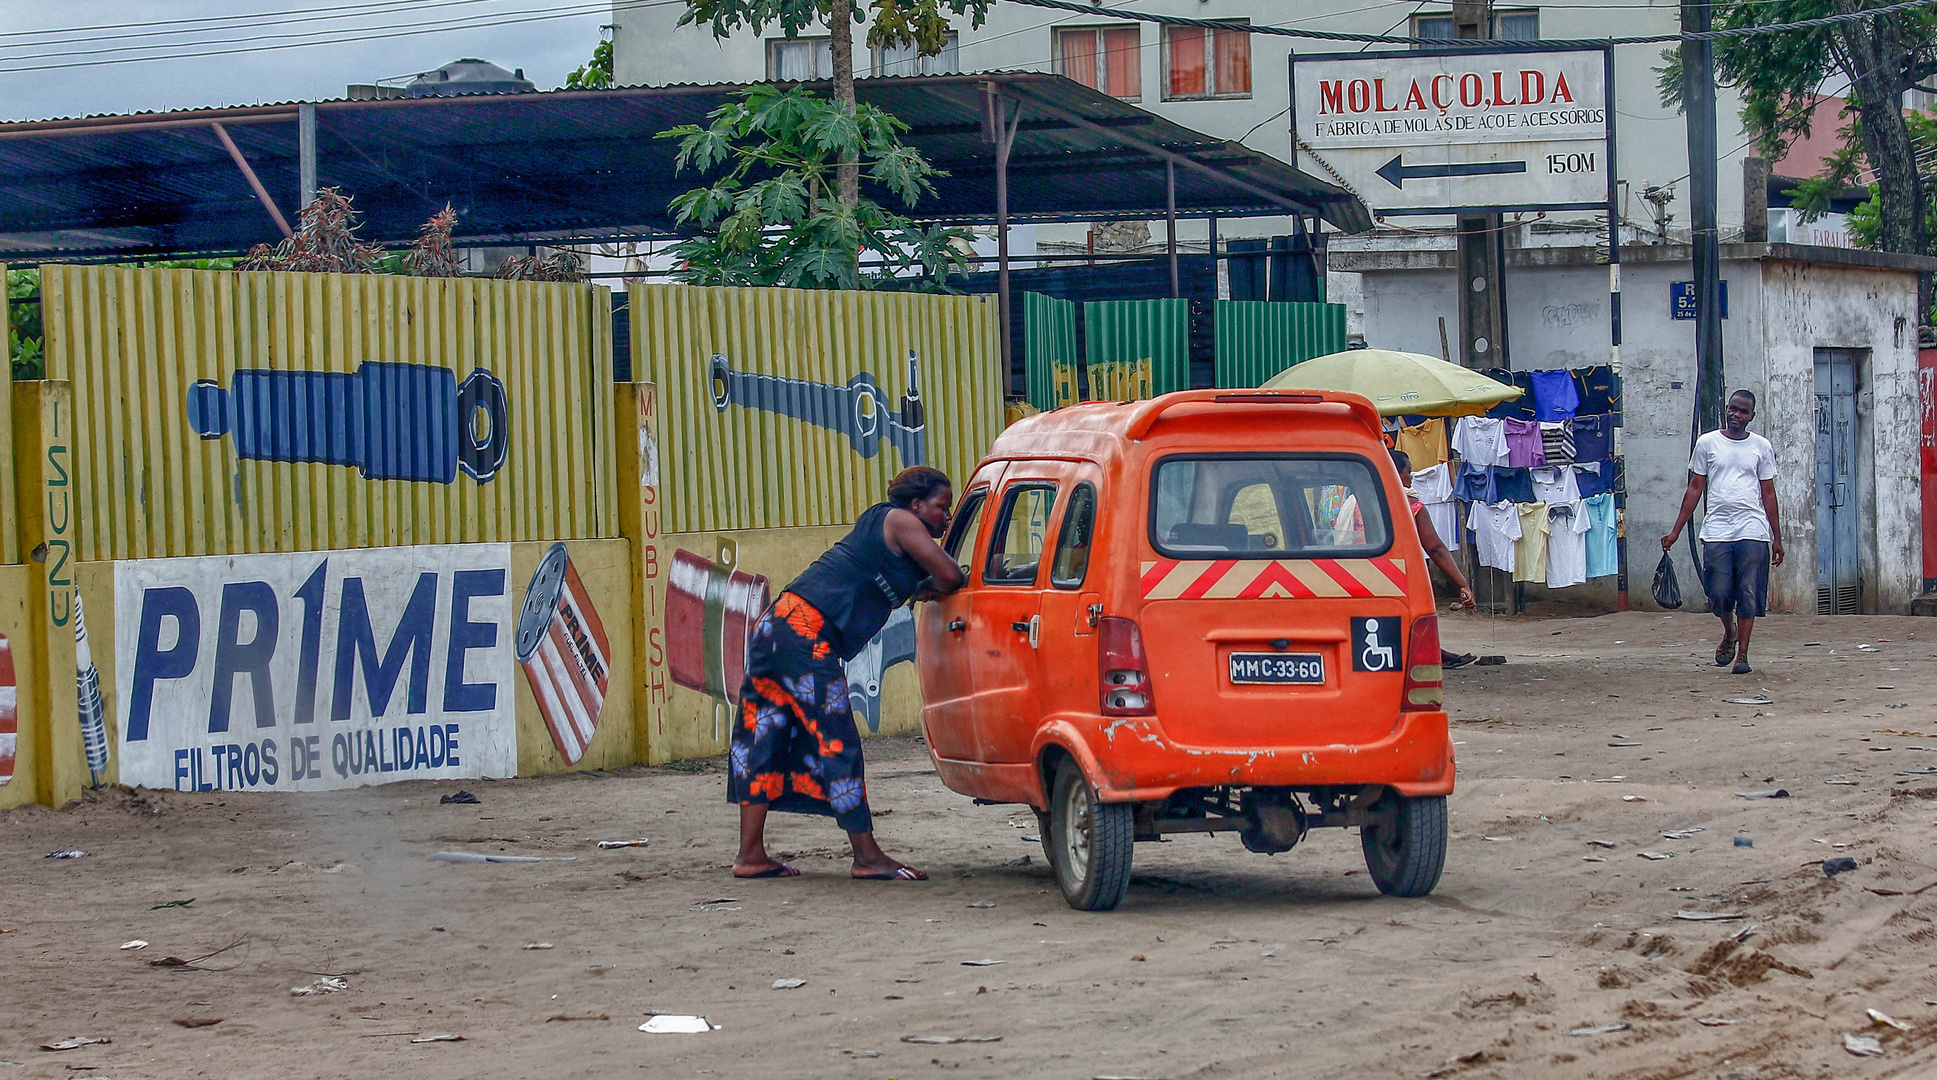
(1432, 131)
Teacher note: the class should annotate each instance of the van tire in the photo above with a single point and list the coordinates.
(1405, 856)
(1089, 842)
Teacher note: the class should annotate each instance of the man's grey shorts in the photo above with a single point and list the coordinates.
(1735, 574)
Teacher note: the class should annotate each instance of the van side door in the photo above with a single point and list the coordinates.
(941, 629)
(1005, 626)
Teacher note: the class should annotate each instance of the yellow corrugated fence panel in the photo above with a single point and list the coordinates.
(221, 412)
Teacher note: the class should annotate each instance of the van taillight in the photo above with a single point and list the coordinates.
(1122, 670)
(1425, 691)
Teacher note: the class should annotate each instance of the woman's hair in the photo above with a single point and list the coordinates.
(916, 482)
(1401, 460)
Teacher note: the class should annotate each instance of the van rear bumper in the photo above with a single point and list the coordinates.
(1132, 760)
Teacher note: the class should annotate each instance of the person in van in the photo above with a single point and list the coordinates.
(1436, 551)
(796, 747)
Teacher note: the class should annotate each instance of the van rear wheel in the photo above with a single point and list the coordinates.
(1089, 842)
(1406, 850)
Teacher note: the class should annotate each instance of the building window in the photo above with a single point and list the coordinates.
(1507, 26)
(800, 59)
(901, 59)
(1201, 63)
(1106, 58)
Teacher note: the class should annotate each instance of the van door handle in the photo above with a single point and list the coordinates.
(1035, 631)
(956, 626)
(1019, 627)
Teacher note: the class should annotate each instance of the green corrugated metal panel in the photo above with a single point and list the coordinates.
(1256, 340)
(313, 448)
(793, 435)
(1127, 342)
(1049, 350)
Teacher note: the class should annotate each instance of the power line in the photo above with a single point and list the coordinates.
(152, 23)
(240, 22)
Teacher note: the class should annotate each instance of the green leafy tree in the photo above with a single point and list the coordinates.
(773, 215)
(1878, 58)
(596, 73)
(922, 24)
(23, 323)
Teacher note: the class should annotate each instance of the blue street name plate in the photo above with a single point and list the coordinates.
(1681, 299)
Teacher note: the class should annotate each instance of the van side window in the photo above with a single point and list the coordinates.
(961, 533)
(1072, 560)
(1268, 506)
(1020, 536)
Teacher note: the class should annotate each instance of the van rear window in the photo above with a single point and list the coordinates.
(1262, 506)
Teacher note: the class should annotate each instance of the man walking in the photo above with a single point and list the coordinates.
(1741, 534)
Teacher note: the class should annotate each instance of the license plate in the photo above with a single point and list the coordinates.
(1277, 667)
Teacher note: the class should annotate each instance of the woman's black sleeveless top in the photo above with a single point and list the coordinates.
(858, 583)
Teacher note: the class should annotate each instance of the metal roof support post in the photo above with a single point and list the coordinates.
(250, 174)
(306, 154)
(1004, 131)
(1170, 223)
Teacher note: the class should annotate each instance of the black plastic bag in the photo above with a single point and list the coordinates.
(1667, 589)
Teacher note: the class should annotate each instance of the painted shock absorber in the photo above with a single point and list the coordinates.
(858, 410)
(562, 647)
(711, 612)
(389, 421)
(93, 713)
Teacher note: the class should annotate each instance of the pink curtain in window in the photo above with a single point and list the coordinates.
(1079, 56)
(1187, 61)
(1123, 60)
(1233, 62)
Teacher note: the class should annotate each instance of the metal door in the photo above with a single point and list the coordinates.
(1839, 586)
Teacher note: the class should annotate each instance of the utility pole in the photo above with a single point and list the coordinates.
(1481, 254)
(1698, 97)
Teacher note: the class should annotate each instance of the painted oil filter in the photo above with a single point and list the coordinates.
(9, 711)
(562, 647)
(711, 610)
(93, 714)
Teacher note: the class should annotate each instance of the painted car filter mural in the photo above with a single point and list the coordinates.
(92, 711)
(857, 410)
(315, 671)
(9, 712)
(389, 421)
(564, 652)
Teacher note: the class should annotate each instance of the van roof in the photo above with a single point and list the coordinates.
(1102, 429)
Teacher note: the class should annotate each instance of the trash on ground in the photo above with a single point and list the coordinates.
(171, 903)
(1604, 1029)
(1762, 699)
(461, 797)
(943, 1040)
(438, 1038)
(1714, 1021)
(199, 1021)
(1024, 861)
(1593, 858)
(1655, 856)
(670, 1024)
(135, 944)
(537, 946)
(1709, 916)
(1681, 834)
(609, 844)
(1490, 661)
(474, 857)
(718, 903)
(982, 963)
(1863, 1045)
(65, 853)
(1271, 950)
(1833, 867)
(1772, 793)
(563, 1018)
(1887, 1021)
(789, 984)
(1922, 770)
(983, 903)
(1601, 843)
(74, 1043)
(1743, 841)
(1634, 798)
(328, 984)
(1841, 783)
(1028, 839)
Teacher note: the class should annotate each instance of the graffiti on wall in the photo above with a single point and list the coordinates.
(9, 711)
(564, 652)
(712, 609)
(388, 421)
(315, 671)
(858, 409)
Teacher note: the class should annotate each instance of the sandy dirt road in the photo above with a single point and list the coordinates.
(1550, 917)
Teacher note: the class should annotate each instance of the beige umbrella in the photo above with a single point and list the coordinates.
(1398, 383)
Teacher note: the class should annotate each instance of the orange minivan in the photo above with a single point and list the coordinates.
(1204, 612)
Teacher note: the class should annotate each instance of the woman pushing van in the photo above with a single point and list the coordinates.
(1435, 550)
(795, 746)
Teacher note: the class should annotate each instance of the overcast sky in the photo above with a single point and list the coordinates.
(92, 31)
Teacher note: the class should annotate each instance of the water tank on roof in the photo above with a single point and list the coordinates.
(469, 76)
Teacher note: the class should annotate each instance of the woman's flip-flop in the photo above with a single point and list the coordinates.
(783, 870)
(906, 873)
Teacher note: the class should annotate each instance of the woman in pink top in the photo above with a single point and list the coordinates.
(1435, 550)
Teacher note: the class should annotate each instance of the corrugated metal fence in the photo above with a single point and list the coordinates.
(1049, 350)
(225, 412)
(1133, 344)
(795, 407)
(1256, 340)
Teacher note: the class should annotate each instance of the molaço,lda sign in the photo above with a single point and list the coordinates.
(1429, 131)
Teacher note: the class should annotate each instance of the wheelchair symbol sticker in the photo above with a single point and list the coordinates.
(1375, 644)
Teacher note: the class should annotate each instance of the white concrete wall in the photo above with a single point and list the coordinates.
(1651, 144)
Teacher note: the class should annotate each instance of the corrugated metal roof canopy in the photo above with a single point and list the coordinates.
(586, 163)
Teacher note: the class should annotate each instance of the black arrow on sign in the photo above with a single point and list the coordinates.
(1396, 174)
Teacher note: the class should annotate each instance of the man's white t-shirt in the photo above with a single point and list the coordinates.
(1735, 469)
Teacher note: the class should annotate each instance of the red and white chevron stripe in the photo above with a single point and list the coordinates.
(1265, 579)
